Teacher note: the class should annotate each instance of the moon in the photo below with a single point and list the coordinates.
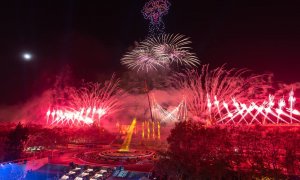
(27, 56)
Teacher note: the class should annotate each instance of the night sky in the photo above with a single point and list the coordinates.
(92, 36)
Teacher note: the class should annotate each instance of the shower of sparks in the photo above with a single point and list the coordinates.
(209, 91)
(234, 96)
(179, 113)
(87, 105)
(85, 116)
(268, 112)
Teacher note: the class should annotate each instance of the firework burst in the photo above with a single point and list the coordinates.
(172, 49)
(142, 59)
(160, 52)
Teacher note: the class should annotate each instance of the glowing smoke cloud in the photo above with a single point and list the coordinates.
(154, 10)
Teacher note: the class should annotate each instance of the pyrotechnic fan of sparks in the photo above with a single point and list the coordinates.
(73, 117)
(88, 104)
(221, 83)
(179, 113)
(224, 96)
(267, 112)
(160, 52)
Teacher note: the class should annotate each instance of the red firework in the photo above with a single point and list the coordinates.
(87, 105)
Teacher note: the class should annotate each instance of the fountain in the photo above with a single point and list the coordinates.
(124, 153)
(126, 143)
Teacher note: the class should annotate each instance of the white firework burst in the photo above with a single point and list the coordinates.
(172, 48)
(141, 59)
(160, 52)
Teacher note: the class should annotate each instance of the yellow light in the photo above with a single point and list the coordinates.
(143, 131)
(153, 130)
(148, 129)
(126, 143)
(158, 130)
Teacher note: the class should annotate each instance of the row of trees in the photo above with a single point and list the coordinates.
(197, 152)
(15, 141)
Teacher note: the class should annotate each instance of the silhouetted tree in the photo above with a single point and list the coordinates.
(196, 152)
(14, 145)
(225, 152)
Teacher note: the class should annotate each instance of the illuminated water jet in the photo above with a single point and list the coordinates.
(126, 143)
